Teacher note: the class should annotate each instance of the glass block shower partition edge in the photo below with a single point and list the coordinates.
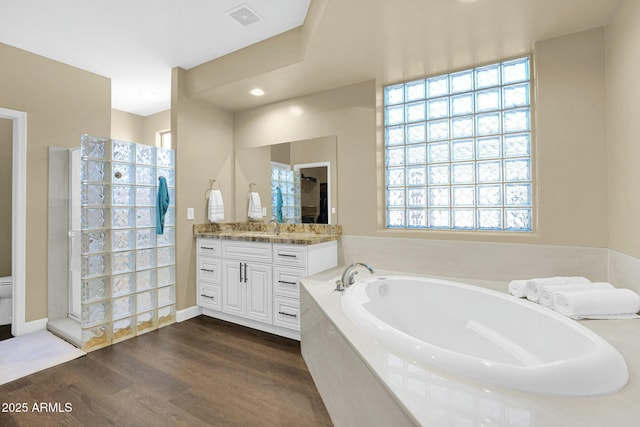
(128, 271)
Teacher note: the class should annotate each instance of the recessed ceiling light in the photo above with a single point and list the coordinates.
(256, 92)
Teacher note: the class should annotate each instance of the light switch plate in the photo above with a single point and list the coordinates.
(190, 213)
(264, 211)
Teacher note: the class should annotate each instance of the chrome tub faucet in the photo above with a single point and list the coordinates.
(349, 273)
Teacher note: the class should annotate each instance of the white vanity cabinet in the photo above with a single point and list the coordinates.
(209, 273)
(246, 290)
(257, 284)
(246, 280)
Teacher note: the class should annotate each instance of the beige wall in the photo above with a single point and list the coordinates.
(62, 103)
(134, 128)
(349, 114)
(203, 140)
(569, 153)
(6, 152)
(622, 35)
(127, 126)
(571, 148)
(155, 123)
(253, 165)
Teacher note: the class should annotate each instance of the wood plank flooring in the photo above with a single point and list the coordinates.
(5, 332)
(202, 372)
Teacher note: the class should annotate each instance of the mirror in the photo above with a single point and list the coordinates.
(315, 160)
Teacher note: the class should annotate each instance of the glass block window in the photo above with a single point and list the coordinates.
(458, 150)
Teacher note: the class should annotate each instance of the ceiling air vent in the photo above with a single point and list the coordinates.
(244, 15)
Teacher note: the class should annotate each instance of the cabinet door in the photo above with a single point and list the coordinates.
(209, 269)
(209, 295)
(286, 312)
(286, 281)
(247, 251)
(259, 292)
(232, 288)
(293, 255)
(209, 247)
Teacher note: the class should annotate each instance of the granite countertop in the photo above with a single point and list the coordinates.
(254, 231)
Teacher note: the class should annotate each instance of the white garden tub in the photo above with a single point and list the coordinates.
(486, 335)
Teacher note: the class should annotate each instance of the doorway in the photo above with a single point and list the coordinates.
(315, 189)
(6, 287)
(18, 218)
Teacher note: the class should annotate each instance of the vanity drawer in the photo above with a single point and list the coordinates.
(209, 248)
(295, 255)
(210, 269)
(247, 251)
(286, 281)
(210, 296)
(286, 312)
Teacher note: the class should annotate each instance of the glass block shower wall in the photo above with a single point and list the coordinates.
(289, 183)
(128, 271)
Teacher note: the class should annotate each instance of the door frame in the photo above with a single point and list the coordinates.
(326, 164)
(18, 218)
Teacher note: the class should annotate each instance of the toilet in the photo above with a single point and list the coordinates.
(6, 308)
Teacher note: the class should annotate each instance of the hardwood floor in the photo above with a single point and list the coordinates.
(5, 332)
(201, 372)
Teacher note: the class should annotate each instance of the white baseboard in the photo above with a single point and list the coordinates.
(29, 327)
(188, 313)
(265, 327)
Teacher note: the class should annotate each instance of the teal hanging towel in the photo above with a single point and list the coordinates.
(279, 205)
(163, 204)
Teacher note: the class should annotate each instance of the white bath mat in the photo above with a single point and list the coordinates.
(30, 353)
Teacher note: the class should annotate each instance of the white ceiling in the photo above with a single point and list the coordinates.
(136, 43)
(399, 40)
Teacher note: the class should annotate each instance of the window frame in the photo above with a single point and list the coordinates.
(160, 139)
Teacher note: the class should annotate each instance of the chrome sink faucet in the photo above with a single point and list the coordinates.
(348, 274)
(276, 227)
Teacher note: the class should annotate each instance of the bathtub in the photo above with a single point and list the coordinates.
(485, 335)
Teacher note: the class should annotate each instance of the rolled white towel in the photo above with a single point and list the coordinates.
(534, 285)
(548, 292)
(518, 288)
(600, 304)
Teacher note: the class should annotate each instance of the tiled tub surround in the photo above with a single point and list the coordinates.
(258, 231)
(374, 386)
(248, 275)
(491, 261)
(476, 260)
